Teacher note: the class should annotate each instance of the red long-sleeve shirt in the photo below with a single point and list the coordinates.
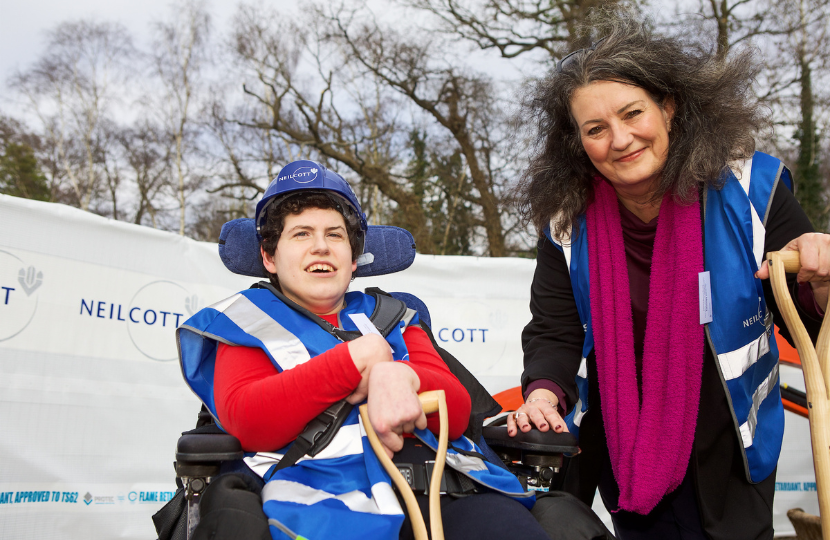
(266, 409)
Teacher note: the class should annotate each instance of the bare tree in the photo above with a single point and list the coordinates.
(352, 97)
(213, 212)
(72, 88)
(146, 155)
(111, 171)
(731, 22)
(305, 119)
(797, 76)
(180, 55)
(247, 159)
(514, 27)
(461, 104)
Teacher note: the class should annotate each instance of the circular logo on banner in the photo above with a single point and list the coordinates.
(19, 285)
(154, 313)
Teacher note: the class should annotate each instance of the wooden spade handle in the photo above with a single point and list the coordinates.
(431, 402)
(791, 260)
(815, 363)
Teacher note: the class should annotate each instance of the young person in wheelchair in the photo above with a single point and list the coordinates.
(268, 361)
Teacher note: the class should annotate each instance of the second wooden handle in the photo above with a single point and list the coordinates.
(791, 260)
(815, 362)
(431, 402)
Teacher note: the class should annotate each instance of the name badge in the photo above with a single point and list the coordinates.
(366, 326)
(705, 295)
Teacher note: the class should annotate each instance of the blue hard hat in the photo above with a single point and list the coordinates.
(304, 175)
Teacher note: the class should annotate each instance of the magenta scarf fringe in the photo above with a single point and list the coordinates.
(649, 443)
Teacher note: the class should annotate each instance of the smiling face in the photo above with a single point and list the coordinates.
(625, 134)
(313, 260)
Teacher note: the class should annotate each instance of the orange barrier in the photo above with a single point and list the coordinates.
(510, 399)
(793, 408)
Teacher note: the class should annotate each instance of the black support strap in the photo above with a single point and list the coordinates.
(321, 430)
(316, 435)
(388, 311)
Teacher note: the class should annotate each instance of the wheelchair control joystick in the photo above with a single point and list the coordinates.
(534, 457)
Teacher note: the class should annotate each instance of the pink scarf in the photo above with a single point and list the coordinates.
(650, 442)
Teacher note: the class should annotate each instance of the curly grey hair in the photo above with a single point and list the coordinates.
(715, 121)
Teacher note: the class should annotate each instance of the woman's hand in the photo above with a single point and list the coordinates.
(539, 410)
(394, 407)
(814, 252)
(367, 351)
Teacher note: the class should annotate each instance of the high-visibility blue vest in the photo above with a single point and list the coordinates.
(342, 492)
(741, 332)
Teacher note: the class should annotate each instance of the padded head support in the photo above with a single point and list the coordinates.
(387, 250)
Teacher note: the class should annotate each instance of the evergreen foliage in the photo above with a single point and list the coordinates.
(20, 175)
(20, 171)
(810, 186)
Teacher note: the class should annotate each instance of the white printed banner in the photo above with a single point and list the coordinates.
(91, 395)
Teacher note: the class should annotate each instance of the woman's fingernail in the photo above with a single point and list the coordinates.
(542, 426)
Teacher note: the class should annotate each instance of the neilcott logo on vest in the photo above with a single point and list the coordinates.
(301, 175)
(756, 318)
(20, 284)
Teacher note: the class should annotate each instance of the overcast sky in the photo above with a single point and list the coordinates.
(23, 23)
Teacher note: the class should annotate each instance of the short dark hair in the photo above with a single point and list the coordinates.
(715, 120)
(295, 204)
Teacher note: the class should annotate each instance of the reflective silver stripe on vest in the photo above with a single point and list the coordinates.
(284, 346)
(758, 230)
(582, 373)
(465, 464)
(222, 305)
(577, 419)
(761, 393)
(383, 500)
(733, 364)
(408, 315)
(346, 442)
(583, 368)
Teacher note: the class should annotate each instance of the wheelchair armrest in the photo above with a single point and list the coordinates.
(534, 457)
(534, 441)
(207, 448)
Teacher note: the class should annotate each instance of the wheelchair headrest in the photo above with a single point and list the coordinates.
(387, 250)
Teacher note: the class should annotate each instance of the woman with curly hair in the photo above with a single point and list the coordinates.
(651, 332)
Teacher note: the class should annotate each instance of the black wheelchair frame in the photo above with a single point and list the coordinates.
(534, 457)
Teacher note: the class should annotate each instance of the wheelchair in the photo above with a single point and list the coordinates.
(534, 457)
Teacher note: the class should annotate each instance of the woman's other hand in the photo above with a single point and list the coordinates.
(539, 410)
(394, 407)
(814, 252)
(367, 351)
